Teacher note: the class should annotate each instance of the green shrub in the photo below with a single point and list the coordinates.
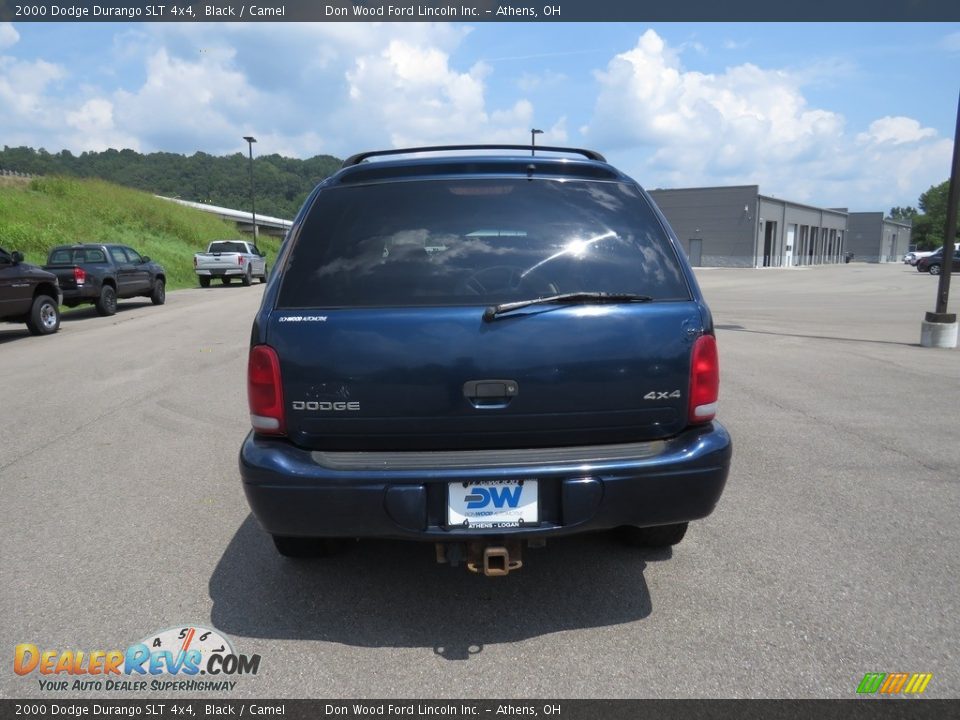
(56, 186)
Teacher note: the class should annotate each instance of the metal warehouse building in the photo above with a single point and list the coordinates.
(874, 238)
(737, 226)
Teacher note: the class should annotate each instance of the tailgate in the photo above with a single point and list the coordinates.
(212, 261)
(66, 276)
(442, 378)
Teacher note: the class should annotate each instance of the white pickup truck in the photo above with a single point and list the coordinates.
(227, 259)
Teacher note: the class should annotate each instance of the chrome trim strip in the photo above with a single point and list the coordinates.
(480, 459)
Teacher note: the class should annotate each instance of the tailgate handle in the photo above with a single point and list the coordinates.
(490, 393)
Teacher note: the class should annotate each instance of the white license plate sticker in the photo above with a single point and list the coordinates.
(492, 504)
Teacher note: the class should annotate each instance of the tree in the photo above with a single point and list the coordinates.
(934, 202)
(282, 183)
(930, 220)
(903, 213)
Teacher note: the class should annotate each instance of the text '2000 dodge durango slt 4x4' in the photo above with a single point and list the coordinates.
(481, 351)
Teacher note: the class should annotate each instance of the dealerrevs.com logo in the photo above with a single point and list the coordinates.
(190, 659)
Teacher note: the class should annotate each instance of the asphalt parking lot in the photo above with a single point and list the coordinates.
(835, 550)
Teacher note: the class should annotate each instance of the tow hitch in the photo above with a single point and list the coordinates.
(493, 559)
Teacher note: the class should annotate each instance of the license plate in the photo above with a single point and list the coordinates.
(492, 504)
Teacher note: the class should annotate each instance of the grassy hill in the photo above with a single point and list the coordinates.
(37, 214)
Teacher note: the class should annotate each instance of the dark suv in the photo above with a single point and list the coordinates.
(481, 351)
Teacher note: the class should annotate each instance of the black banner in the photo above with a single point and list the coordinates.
(857, 709)
(478, 11)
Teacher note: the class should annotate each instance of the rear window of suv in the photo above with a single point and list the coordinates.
(491, 240)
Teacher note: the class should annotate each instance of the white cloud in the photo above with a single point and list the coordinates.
(714, 123)
(95, 129)
(895, 175)
(8, 35)
(93, 116)
(301, 89)
(307, 89)
(752, 125)
(411, 91)
(895, 130)
(27, 110)
(556, 134)
(202, 102)
(694, 45)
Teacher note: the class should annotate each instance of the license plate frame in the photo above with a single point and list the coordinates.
(493, 504)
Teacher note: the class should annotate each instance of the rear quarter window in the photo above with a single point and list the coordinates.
(490, 240)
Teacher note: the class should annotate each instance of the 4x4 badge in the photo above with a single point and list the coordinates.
(662, 395)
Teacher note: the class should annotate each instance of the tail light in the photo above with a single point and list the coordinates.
(265, 391)
(239, 259)
(704, 380)
(194, 262)
(79, 275)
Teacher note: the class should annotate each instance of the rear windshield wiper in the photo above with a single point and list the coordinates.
(573, 298)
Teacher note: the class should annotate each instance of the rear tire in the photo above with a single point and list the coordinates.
(44, 316)
(300, 547)
(661, 536)
(204, 280)
(263, 278)
(159, 294)
(247, 277)
(107, 302)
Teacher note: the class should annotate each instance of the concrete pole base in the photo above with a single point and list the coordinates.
(939, 330)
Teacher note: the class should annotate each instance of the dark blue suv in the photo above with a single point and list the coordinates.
(479, 348)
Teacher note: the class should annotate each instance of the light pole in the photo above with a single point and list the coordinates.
(253, 208)
(939, 328)
(533, 138)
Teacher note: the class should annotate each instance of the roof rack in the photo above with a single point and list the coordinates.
(360, 157)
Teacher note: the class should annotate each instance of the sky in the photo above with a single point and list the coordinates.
(855, 115)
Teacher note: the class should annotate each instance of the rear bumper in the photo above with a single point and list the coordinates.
(88, 293)
(222, 272)
(297, 492)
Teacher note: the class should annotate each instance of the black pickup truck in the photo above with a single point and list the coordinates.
(100, 274)
(28, 295)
